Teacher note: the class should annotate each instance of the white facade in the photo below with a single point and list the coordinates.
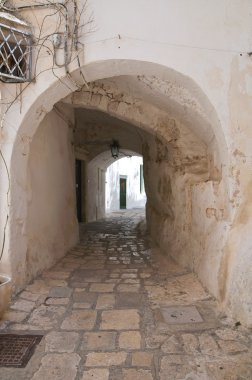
(175, 76)
(128, 168)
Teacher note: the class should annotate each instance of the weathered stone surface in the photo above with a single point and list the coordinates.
(181, 314)
(136, 374)
(131, 281)
(15, 316)
(236, 367)
(130, 340)
(142, 359)
(174, 359)
(134, 288)
(171, 346)
(190, 343)
(82, 305)
(61, 341)
(229, 334)
(102, 288)
(128, 300)
(96, 374)
(52, 274)
(60, 292)
(84, 297)
(58, 367)
(176, 371)
(38, 287)
(231, 346)
(56, 283)
(29, 296)
(145, 275)
(99, 341)
(105, 359)
(27, 327)
(57, 301)
(208, 345)
(155, 340)
(120, 320)
(46, 316)
(182, 290)
(79, 320)
(129, 275)
(105, 301)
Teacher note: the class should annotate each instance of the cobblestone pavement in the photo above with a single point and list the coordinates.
(114, 309)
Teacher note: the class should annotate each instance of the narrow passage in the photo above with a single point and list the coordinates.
(116, 309)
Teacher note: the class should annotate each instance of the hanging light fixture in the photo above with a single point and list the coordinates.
(114, 147)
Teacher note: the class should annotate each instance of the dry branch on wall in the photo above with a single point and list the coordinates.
(69, 27)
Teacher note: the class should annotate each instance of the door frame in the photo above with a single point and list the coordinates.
(122, 177)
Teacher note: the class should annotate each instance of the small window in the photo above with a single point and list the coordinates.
(15, 49)
(141, 180)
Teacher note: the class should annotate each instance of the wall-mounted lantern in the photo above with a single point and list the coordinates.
(114, 147)
(15, 49)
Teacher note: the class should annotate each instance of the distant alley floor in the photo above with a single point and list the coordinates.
(115, 309)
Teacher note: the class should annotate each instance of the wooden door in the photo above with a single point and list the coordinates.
(123, 186)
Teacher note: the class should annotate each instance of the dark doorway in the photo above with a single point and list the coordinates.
(78, 189)
(123, 186)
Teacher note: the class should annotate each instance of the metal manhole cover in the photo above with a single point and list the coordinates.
(181, 314)
(16, 350)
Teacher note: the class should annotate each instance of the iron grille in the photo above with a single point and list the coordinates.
(15, 54)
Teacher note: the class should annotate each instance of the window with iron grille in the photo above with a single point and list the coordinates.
(15, 51)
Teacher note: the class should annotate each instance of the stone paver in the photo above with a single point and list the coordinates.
(96, 374)
(130, 340)
(105, 301)
(61, 341)
(79, 320)
(58, 367)
(95, 341)
(120, 320)
(142, 359)
(102, 288)
(130, 374)
(105, 359)
(23, 305)
(110, 309)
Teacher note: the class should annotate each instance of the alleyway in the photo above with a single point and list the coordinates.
(114, 308)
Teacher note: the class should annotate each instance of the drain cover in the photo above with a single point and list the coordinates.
(181, 314)
(16, 350)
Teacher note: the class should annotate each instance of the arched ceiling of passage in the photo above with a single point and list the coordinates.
(96, 130)
(178, 98)
(166, 90)
(158, 108)
(170, 96)
(104, 159)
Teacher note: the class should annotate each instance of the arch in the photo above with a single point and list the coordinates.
(61, 88)
(96, 172)
(43, 103)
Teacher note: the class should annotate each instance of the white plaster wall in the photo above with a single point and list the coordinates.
(51, 220)
(130, 168)
(95, 192)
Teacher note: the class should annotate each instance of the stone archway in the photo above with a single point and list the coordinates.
(205, 194)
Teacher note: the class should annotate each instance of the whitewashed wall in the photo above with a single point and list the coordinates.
(129, 168)
(52, 226)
